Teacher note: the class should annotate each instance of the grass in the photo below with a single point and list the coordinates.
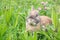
(13, 15)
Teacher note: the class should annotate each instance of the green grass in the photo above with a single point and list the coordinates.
(13, 15)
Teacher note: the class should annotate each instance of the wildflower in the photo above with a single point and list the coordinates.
(45, 8)
(44, 3)
(39, 8)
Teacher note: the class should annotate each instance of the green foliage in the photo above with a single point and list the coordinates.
(13, 15)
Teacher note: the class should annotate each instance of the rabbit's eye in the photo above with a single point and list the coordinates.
(36, 15)
(31, 17)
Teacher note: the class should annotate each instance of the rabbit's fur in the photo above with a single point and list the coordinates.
(37, 21)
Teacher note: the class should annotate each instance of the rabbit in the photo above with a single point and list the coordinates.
(34, 21)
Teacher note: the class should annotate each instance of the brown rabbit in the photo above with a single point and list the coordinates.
(34, 21)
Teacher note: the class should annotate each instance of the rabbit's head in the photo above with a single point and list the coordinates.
(34, 12)
(33, 18)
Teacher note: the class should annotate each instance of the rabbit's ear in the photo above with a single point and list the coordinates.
(39, 9)
(32, 8)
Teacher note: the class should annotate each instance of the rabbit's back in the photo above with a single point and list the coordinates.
(44, 20)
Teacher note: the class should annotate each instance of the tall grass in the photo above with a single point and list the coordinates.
(13, 15)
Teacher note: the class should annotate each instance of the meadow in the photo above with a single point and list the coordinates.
(13, 15)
